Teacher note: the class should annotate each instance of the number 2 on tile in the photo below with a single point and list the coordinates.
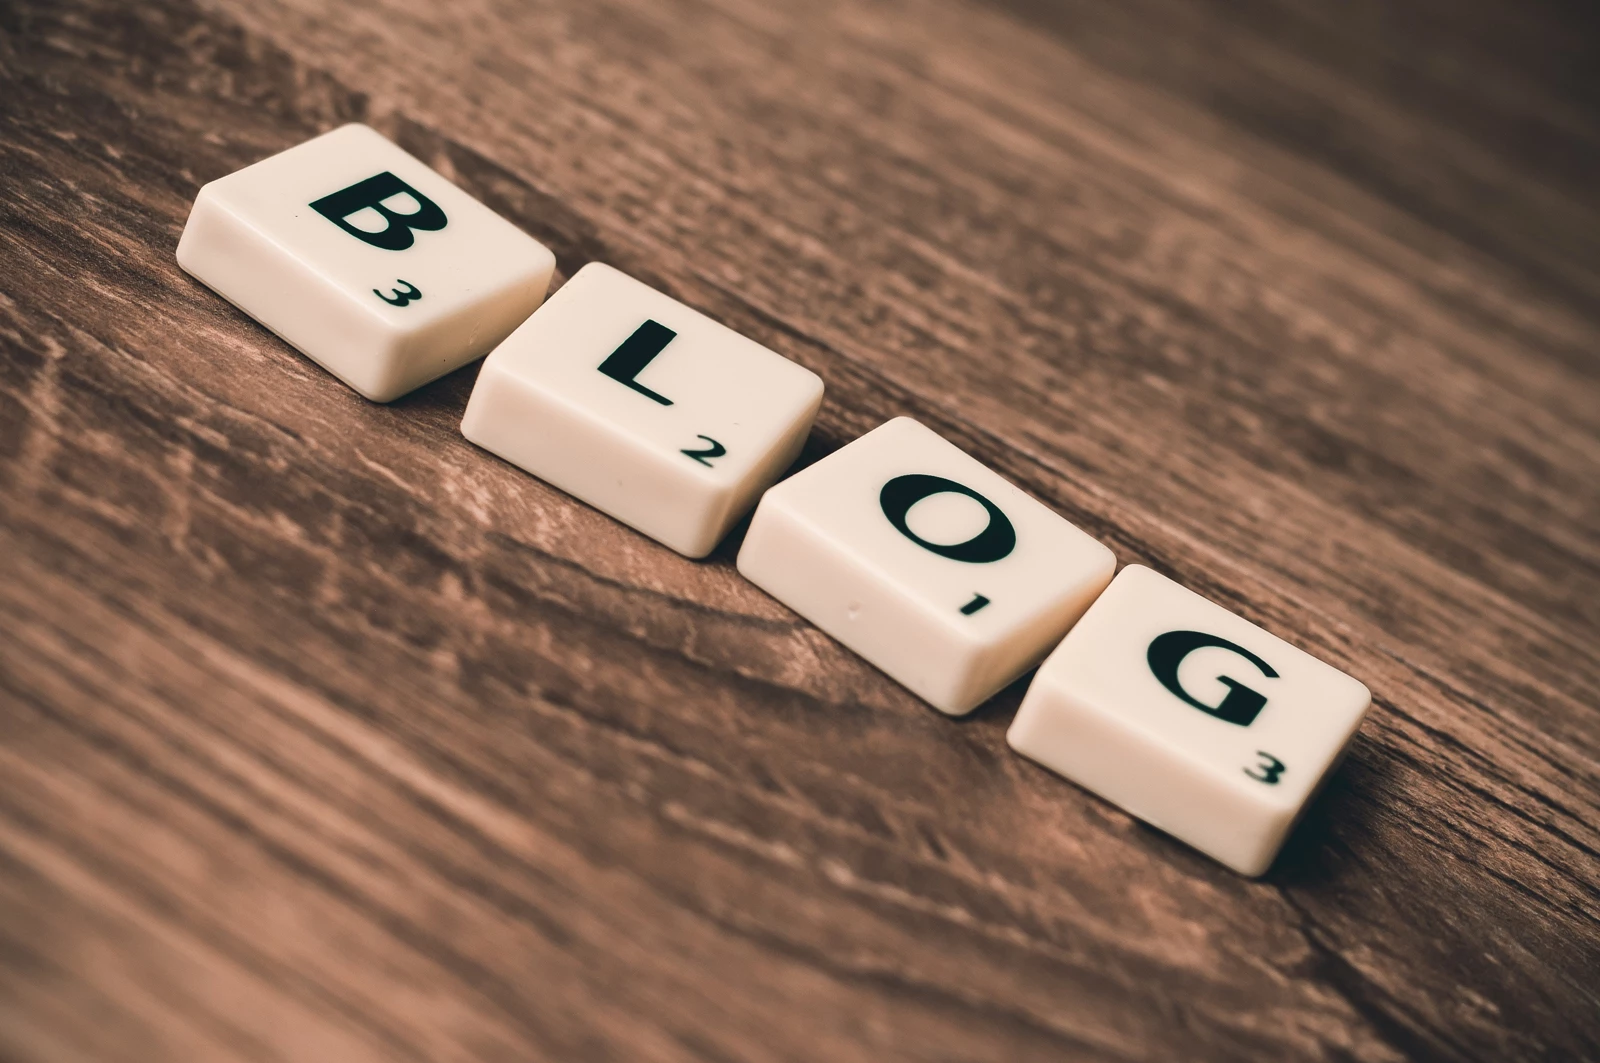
(705, 454)
(1270, 769)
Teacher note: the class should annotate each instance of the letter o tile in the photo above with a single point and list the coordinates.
(930, 565)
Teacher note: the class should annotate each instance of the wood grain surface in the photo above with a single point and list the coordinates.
(326, 736)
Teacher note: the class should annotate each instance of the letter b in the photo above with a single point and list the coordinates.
(371, 193)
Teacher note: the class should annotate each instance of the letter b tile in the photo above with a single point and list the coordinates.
(931, 566)
(643, 407)
(1190, 717)
(365, 260)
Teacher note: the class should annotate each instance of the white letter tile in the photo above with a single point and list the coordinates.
(1190, 717)
(643, 407)
(928, 564)
(365, 260)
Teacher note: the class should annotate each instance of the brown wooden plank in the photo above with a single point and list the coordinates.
(327, 736)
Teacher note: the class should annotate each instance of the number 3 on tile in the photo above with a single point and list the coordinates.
(1269, 769)
(398, 297)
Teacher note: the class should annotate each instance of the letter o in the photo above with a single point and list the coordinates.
(997, 539)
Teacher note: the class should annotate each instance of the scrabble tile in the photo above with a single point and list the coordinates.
(365, 260)
(929, 565)
(643, 407)
(1190, 717)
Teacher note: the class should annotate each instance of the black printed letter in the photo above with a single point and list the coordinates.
(1167, 652)
(997, 539)
(371, 193)
(636, 352)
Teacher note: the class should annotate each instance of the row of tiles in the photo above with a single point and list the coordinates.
(906, 549)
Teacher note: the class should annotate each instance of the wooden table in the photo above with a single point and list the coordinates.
(326, 736)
